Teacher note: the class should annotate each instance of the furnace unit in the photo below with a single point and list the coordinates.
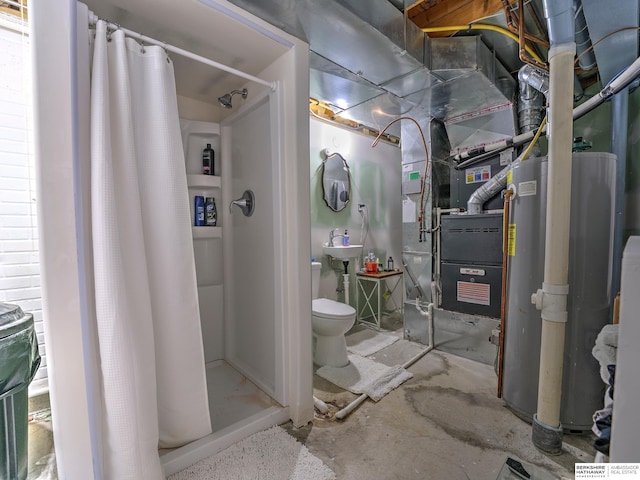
(471, 263)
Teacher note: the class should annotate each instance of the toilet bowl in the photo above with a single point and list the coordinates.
(330, 320)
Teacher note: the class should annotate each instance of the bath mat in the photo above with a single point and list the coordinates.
(269, 455)
(363, 375)
(366, 342)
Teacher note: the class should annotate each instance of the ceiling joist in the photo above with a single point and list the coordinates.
(441, 13)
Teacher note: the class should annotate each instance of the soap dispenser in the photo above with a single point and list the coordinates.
(345, 239)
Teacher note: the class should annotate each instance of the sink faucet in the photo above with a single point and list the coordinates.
(332, 236)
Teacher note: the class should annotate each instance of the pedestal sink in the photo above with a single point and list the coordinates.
(342, 252)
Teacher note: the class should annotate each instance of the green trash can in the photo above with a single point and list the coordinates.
(19, 361)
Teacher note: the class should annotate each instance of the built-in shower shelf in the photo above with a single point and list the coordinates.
(203, 181)
(195, 137)
(200, 233)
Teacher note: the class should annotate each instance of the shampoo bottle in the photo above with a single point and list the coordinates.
(207, 160)
(211, 215)
(199, 220)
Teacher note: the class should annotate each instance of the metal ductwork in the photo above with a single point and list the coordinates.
(616, 52)
(560, 23)
(371, 64)
(534, 88)
(587, 59)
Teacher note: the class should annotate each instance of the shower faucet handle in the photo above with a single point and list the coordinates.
(246, 203)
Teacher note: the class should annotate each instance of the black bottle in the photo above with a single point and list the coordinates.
(208, 157)
(210, 212)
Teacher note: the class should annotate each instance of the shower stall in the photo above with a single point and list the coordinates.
(254, 285)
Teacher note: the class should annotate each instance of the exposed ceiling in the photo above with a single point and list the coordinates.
(370, 60)
(442, 13)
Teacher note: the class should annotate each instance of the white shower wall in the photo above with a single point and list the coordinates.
(252, 305)
(74, 377)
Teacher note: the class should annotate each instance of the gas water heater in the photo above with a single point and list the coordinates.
(591, 242)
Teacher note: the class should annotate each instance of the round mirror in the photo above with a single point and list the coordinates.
(336, 182)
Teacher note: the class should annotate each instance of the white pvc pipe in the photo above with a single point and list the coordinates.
(618, 84)
(320, 405)
(552, 298)
(345, 279)
(93, 19)
(351, 407)
(615, 86)
(429, 314)
(437, 299)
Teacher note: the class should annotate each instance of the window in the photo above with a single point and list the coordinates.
(19, 259)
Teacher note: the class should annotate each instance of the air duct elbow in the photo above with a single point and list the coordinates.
(534, 77)
(486, 191)
(560, 20)
(534, 88)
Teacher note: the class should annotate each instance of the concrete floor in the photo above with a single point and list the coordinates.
(41, 455)
(444, 423)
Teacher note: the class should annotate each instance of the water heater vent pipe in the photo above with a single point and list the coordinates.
(552, 297)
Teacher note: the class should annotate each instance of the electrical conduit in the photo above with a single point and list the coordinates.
(552, 298)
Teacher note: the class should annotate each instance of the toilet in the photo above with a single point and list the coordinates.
(330, 320)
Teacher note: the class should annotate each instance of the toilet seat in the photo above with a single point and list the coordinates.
(327, 308)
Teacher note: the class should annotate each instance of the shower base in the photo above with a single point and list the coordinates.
(238, 408)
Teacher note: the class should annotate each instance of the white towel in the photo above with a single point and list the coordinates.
(605, 349)
(363, 375)
(271, 454)
(367, 342)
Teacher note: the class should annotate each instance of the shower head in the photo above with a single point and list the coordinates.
(225, 100)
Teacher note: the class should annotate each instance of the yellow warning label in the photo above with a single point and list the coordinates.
(509, 176)
(512, 240)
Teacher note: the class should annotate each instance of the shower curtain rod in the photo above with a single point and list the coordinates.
(93, 19)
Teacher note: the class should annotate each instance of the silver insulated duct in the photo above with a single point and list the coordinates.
(370, 63)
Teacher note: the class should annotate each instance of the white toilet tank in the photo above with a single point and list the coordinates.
(315, 279)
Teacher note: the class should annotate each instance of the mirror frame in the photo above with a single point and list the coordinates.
(328, 157)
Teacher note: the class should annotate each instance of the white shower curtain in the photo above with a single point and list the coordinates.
(150, 341)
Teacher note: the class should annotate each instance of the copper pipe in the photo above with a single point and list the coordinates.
(534, 39)
(423, 183)
(513, 23)
(510, 15)
(503, 300)
(538, 23)
(522, 40)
